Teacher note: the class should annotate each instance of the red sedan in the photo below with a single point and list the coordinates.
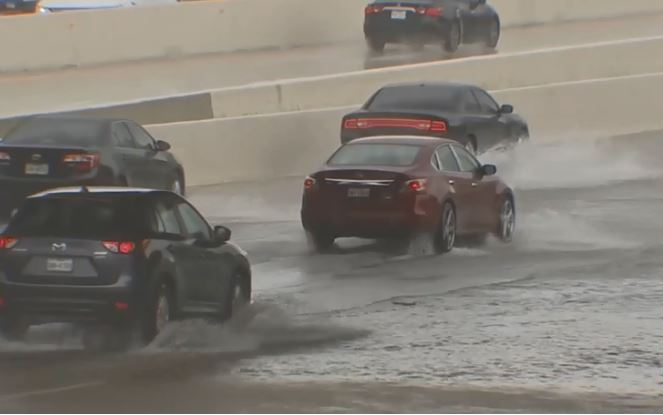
(386, 187)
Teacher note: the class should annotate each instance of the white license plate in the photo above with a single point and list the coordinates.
(359, 192)
(59, 265)
(36, 169)
(399, 15)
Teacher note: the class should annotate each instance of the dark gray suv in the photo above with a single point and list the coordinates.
(128, 260)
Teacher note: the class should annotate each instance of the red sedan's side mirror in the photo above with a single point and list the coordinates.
(488, 170)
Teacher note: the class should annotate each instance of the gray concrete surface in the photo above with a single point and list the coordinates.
(73, 89)
(566, 319)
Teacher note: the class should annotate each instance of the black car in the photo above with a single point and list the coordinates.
(460, 112)
(117, 259)
(45, 152)
(448, 23)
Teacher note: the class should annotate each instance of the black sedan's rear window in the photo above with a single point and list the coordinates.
(365, 154)
(57, 132)
(79, 217)
(408, 97)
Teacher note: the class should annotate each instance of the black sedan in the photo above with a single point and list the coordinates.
(464, 113)
(117, 261)
(448, 23)
(54, 151)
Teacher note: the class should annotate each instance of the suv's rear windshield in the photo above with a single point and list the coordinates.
(81, 217)
(365, 154)
(408, 97)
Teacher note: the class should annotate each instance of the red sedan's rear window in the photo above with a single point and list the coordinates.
(365, 154)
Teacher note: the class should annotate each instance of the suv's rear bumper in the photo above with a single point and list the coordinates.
(68, 304)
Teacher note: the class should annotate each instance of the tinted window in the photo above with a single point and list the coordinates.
(488, 104)
(195, 225)
(83, 217)
(166, 219)
(62, 132)
(141, 137)
(471, 105)
(416, 98)
(467, 161)
(121, 136)
(447, 159)
(375, 155)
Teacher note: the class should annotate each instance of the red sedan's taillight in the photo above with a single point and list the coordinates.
(5, 157)
(118, 247)
(81, 162)
(7, 242)
(372, 9)
(417, 185)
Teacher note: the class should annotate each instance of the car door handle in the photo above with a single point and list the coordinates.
(452, 182)
(475, 184)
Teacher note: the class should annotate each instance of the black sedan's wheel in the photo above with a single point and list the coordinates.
(494, 31)
(159, 312)
(507, 221)
(375, 45)
(453, 38)
(445, 238)
(319, 241)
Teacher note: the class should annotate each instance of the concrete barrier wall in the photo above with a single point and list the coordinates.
(571, 63)
(269, 146)
(102, 36)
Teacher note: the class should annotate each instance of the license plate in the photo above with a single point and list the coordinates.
(359, 192)
(399, 15)
(59, 265)
(36, 169)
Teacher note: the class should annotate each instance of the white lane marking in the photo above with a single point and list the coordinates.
(38, 392)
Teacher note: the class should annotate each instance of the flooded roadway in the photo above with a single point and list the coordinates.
(566, 319)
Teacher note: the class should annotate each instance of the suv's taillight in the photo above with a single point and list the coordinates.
(5, 157)
(120, 247)
(350, 124)
(7, 242)
(82, 162)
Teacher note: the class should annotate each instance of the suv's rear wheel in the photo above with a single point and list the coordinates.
(159, 311)
(177, 186)
(493, 37)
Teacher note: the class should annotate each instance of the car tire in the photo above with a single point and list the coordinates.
(14, 328)
(237, 297)
(507, 220)
(320, 242)
(494, 33)
(445, 236)
(452, 38)
(375, 45)
(177, 186)
(159, 312)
